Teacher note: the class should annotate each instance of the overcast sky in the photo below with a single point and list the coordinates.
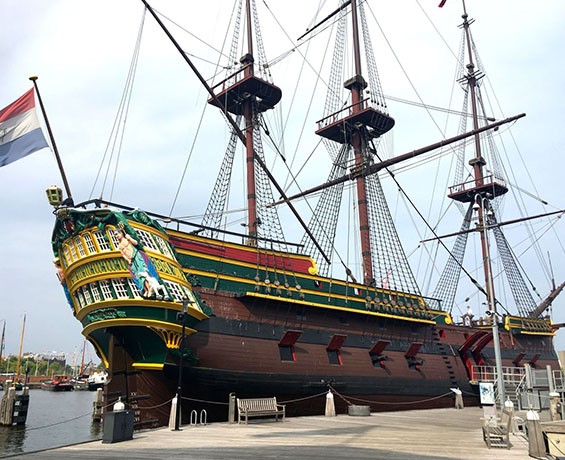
(82, 51)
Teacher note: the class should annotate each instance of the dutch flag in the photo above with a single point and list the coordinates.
(20, 132)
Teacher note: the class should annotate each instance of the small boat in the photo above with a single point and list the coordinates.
(97, 380)
(80, 384)
(58, 383)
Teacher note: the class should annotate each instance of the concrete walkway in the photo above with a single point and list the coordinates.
(443, 434)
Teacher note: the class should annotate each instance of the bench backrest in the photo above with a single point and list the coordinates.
(257, 404)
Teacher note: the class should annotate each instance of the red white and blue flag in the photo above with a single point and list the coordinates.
(20, 132)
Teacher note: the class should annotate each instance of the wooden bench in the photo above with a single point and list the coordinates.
(259, 407)
(499, 432)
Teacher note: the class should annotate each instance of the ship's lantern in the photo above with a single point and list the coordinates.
(54, 195)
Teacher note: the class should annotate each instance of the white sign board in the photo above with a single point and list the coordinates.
(486, 390)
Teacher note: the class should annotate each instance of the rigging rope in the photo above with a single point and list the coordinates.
(113, 146)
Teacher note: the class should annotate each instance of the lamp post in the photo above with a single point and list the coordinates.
(491, 301)
(181, 317)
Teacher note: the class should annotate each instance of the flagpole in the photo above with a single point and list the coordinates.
(59, 162)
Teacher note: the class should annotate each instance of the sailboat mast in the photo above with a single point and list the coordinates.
(356, 85)
(2, 342)
(20, 352)
(248, 113)
(82, 360)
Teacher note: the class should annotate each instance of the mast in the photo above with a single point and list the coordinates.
(247, 62)
(20, 352)
(356, 85)
(355, 126)
(2, 342)
(479, 194)
(478, 162)
(229, 99)
(82, 360)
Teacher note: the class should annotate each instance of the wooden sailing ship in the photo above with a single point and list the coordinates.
(266, 317)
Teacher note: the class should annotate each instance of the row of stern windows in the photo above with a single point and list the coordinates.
(121, 288)
(97, 241)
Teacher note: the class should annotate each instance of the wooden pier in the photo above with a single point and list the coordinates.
(444, 434)
(14, 406)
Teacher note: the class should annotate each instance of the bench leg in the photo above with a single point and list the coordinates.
(486, 437)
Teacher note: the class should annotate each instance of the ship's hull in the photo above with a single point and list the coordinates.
(263, 323)
(239, 354)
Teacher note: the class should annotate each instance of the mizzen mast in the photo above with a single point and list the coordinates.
(481, 194)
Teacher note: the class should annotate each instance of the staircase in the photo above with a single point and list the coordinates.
(448, 357)
(526, 387)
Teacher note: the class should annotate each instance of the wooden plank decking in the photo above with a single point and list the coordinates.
(444, 434)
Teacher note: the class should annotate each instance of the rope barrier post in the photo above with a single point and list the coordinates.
(330, 405)
(458, 398)
(231, 408)
(173, 414)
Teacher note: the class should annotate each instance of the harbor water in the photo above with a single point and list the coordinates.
(54, 419)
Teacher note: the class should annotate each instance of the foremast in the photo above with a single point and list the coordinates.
(246, 95)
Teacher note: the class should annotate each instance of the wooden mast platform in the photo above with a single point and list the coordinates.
(468, 191)
(338, 126)
(232, 94)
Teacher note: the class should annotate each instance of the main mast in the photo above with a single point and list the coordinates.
(356, 125)
(247, 62)
(356, 85)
